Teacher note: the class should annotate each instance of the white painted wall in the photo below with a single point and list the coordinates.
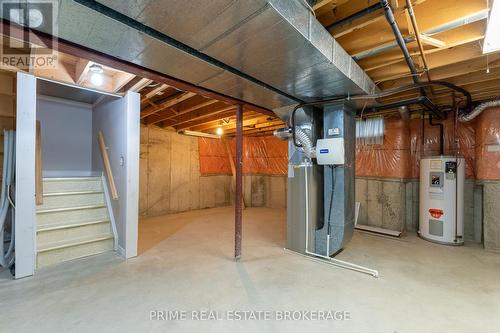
(66, 128)
(25, 217)
(118, 119)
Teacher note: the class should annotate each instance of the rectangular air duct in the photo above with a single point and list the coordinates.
(270, 53)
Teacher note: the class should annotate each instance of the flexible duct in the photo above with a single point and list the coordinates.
(478, 109)
(6, 257)
(305, 142)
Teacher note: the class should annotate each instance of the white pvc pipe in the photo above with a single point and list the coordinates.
(332, 261)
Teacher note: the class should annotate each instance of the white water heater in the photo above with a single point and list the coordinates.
(442, 199)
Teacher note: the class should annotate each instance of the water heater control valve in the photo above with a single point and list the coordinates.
(330, 151)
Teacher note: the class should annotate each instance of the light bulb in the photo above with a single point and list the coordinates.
(219, 131)
(96, 79)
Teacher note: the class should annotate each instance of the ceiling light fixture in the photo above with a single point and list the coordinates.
(96, 68)
(96, 77)
(219, 131)
(492, 37)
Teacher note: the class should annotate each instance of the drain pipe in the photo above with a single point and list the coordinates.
(389, 15)
(441, 134)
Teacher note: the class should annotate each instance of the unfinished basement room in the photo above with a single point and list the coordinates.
(250, 166)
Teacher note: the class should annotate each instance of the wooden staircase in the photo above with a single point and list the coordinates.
(73, 220)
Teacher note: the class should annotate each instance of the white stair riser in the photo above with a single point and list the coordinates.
(71, 185)
(78, 251)
(73, 200)
(44, 238)
(72, 216)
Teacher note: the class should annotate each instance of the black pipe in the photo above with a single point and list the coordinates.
(386, 93)
(441, 135)
(393, 91)
(422, 100)
(354, 16)
(389, 15)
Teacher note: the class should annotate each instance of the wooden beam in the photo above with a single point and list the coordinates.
(431, 14)
(463, 35)
(185, 123)
(120, 80)
(453, 70)
(141, 84)
(182, 112)
(260, 126)
(262, 130)
(249, 118)
(154, 92)
(434, 60)
(82, 68)
(432, 41)
(167, 104)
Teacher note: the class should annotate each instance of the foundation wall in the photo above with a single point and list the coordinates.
(170, 179)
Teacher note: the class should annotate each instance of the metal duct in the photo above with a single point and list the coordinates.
(478, 109)
(270, 53)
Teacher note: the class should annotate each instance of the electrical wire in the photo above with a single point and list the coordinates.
(309, 7)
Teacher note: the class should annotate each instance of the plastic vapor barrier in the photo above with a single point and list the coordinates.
(261, 155)
(487, 150)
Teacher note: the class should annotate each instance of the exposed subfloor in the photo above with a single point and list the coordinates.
(186, 264)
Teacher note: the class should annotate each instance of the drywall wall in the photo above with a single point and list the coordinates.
(170, 179)
(25, 228)
(66, 129)
(118, 119)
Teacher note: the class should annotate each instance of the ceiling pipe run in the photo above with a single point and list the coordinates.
(442, 28)
(389, 15)
(355, 16)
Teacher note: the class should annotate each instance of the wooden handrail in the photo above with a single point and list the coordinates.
(38, 166)
(107, 166)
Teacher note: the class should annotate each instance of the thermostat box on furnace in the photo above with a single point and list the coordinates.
(330, 151)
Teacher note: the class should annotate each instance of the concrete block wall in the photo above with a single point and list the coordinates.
(394, 204)
(491, 211)
(265, 191)
(170, 179)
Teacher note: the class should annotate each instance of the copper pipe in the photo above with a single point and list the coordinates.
(414, 24)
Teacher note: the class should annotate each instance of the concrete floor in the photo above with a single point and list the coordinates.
(186, 264)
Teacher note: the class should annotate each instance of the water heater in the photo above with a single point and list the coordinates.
(442, 199)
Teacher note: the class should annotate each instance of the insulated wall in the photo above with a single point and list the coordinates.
(387, 175)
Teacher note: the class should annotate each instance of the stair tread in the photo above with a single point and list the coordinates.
(73, 242)
(65, 209)
(55, 194)
(63, 225)
(55, 179)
